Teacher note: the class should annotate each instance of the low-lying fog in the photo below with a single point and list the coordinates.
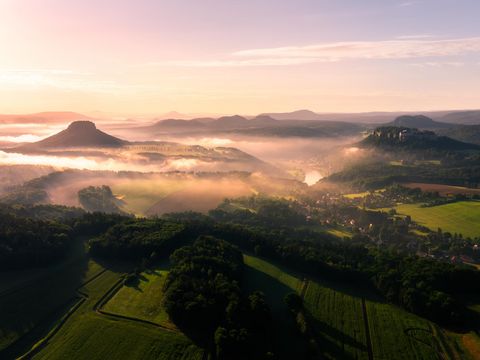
(307, 160)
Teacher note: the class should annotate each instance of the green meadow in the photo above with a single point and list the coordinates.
(341, 316)
(142, 298)
(461, 217)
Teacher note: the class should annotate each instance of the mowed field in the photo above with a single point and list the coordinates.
(159, 196)
(53, 315)
(340, 317)
(139, 195)
(87, 334)
(142, 299)
(32, 300)
(443, 189)
(461, 217)
(275, 283)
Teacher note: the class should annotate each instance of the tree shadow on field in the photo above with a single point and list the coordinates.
(153, 272)
(32, 308)
(287, 341)
(116, 266)
(133, 281)
(332, 341)
(356, 287)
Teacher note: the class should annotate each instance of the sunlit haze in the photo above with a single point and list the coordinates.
(225, 56)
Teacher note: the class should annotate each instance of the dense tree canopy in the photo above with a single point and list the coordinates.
(204, 298)
(26, 242)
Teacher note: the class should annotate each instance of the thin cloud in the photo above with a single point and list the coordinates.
(415, 37)
(61, 79)
(408, 3)
(406, 47)
(388, 49)
(438, 64)
(234, 62)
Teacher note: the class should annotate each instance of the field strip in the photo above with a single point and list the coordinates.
(44, 341)
(432, 331)
(367, 330)
(83, 298)
(108, 296)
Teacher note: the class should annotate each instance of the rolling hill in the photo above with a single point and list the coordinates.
(467, 133)
(419, 122)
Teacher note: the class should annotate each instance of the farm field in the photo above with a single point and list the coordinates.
(142, 299)
(394, 333)
(338, 322)
(339, 232)
(141, 194)
(408, 336)
(460, 217)
(275, 284)
(201, 196)
(443, 189)
(39, 297)
(361, 194)
(337, 316)
(89, 334)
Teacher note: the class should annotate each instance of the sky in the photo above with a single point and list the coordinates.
(143, 57)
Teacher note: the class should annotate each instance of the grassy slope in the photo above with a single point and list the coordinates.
(140, 195)
(338, 322)
(338, 318)
(142, 300)
(33, 299)
(89, 335)
(93, 337)
(397, 334)
(460, 217)
(275, 284)
(394, 333)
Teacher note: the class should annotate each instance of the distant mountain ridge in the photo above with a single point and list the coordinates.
(261, 125)
(418, 121)
(469, 117)
(295, 115)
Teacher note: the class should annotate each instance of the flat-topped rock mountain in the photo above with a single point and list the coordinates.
(412, 139)
(79, 134)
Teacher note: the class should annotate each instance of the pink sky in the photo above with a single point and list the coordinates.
(228, 56)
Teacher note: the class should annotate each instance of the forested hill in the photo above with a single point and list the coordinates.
(403, 138)
(420, 122)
